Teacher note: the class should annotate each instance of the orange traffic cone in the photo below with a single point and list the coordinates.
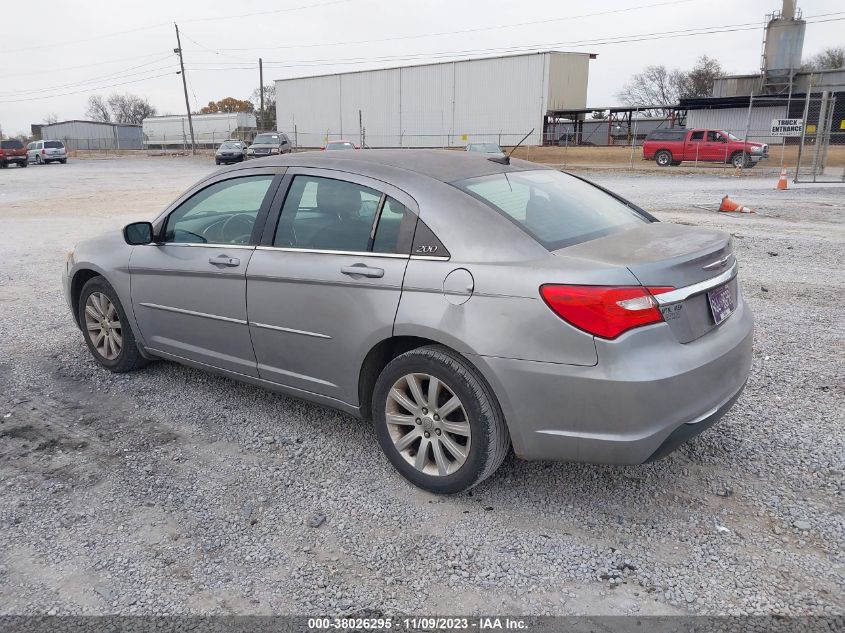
(729, 205)
(782, 184)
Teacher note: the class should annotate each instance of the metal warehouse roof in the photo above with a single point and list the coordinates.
(109, 123)
(450, 61)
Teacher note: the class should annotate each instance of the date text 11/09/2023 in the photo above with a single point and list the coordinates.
(420, 624)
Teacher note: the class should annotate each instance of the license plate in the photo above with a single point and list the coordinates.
(721, 303)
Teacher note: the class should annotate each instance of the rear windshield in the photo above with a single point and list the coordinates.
(485, 147)
(340, 145)
(54, 144)
(677, 134)
(554, 208)
(13, 144)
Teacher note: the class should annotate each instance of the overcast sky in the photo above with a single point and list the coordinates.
(52, 48)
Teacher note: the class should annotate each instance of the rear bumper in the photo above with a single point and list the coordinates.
(13, 159)
(646, 395)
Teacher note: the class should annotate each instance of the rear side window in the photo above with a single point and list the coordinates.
(53, 144)
(667, 135)
(336, 215)
(697, 136)
(555, 209)
(12, 144)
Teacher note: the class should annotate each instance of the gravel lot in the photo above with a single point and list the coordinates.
(172, 491)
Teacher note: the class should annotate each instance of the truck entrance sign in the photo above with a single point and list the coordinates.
(787, 127)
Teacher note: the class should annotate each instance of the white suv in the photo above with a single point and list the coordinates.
(42, 152)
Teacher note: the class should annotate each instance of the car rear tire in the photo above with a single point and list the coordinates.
(106, 329)
(24, 164)
(4, 165)
(438, 421)
(217, 162)
(663, 158)
(63, 161)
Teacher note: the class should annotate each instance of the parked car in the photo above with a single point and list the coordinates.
(230, 151)
(671, 146)
(340, 144)
(12, 151)
(43, 152)
(464, 305)
(491, 149)
(269, 143)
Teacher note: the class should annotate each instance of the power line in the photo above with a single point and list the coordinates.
(462, 31)
(64, 68)
(272, 11)
(622, 39)
(124, 83)
(122, 73)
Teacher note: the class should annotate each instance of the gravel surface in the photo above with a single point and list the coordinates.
(172, 491)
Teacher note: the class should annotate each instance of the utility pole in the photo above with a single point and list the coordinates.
(185, 86)
(261, 92)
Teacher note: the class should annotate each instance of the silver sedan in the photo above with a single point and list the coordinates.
(464, 304)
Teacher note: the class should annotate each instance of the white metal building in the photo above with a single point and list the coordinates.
(734, 120)
(497, 99)
(93, 135)
(209, 129)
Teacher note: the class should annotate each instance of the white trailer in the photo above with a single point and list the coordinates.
(495, 99)
(209, 129)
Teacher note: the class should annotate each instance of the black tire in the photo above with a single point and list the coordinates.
(38, 160)
(663, 158)
(676, 163)
(740, 159)
(63, 161)
(24, 164)
(217, 162)
(490, 440)
(4, 165)
(129, 357)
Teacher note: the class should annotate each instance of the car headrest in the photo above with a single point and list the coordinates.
(342, 199)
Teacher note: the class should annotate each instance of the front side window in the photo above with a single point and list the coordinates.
(555, 209)
(336, 215)
(222, 213)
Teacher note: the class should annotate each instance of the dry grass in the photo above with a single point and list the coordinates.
(616, 156)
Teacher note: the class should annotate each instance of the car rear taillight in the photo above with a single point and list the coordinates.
(605, 311)
(43, 152)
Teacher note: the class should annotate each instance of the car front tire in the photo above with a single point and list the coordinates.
(438, 421)
(106, 329)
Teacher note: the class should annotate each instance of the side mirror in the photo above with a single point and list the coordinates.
(138, 233)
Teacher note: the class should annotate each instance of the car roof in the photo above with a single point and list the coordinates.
(443, 165)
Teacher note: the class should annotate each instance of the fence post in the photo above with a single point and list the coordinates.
(820, 127)
(747, 125)
(634, 138)
(804, 127)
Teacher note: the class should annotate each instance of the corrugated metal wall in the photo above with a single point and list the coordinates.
(435, 105)
(84, 135)
(733, 120)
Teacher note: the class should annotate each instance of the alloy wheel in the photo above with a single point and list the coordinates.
(103, 324)
(428, 424)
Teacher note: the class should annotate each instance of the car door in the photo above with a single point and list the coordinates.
(324, 285)
(189, 288)
(693, 148)
(713, 148)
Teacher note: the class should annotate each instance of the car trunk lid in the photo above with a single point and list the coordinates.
(682, 257)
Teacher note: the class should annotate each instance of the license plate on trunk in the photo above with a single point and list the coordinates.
(721, 303)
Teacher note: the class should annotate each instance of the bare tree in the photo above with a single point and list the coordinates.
(51, 118)
(699, 81)
(829, 58)
(130, 108)
(269, 120)
(98, 109)
(655, 85)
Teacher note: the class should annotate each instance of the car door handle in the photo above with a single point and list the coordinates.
(224, 260)
(363, 270)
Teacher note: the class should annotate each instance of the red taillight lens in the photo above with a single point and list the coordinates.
(43, 152)
(604, 311)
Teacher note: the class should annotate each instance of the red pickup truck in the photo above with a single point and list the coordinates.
(671, 146)
(12, 151)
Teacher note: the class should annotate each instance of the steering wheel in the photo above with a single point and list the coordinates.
(244, 218)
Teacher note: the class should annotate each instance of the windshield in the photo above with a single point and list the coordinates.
(732, 137)
(230, 146)
(554, 208)
(340, 145)
(487, 148)
(266, 139)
